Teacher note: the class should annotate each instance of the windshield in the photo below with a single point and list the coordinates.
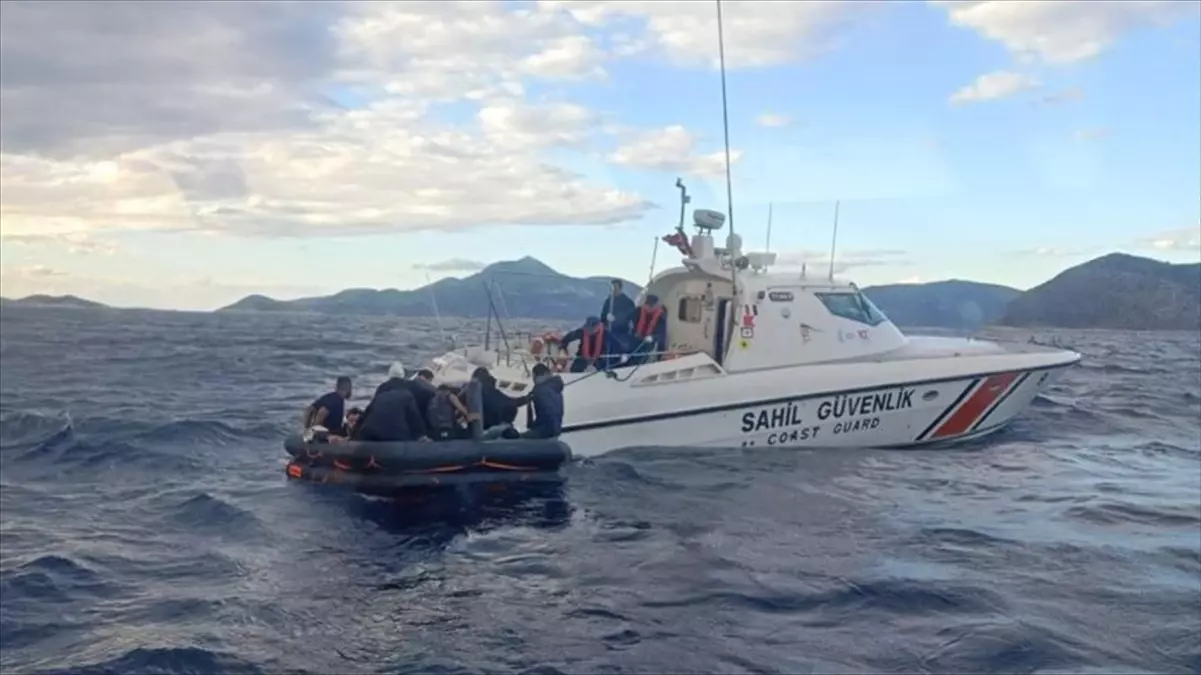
(853, 306)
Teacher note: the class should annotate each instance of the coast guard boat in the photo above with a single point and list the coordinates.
(772, 359)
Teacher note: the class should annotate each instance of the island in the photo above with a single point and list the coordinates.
(526, 288)
(62, 301)
(1116, 291)
(529, 288)
(958, 304)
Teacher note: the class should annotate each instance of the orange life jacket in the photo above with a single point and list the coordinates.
(648, 320)
(592, 342)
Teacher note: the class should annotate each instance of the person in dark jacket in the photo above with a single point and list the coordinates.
(546, 404)
(444, 412)
(392, 415)
(327, 410)
(617, 312)
(499, 409)
(421, 387)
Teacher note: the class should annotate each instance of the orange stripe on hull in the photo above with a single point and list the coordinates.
(971, 410)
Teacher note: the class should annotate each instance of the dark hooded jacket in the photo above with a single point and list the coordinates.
(622, 308)
(422, 391)
(499, 408)
(547, 402)
(392, 415)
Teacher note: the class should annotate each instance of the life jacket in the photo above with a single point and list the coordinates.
(592, 342)
(648, 320)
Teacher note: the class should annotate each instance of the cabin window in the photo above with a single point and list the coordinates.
(853, 306)
(690, 309)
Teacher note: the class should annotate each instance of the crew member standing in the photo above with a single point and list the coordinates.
(617, 312)
(650, 331)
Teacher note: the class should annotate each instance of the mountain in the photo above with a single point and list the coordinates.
(942, 304)
(53, 301)
(525, 288)
(1117, 291)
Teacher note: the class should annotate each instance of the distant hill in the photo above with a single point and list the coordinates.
(942, 304)
(527, 288)
(1116, 291)
(52, 301)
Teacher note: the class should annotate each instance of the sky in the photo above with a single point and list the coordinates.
(181, 155)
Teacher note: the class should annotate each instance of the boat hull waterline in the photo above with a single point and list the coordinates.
(898, 415)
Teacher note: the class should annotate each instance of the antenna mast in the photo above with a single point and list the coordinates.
(725, 123)
(654, 254)
(769, 208)
(834, 241)
(434, 302)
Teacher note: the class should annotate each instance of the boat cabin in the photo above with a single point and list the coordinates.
(726, 304)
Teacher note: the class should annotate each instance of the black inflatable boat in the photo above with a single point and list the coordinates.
(381, 468)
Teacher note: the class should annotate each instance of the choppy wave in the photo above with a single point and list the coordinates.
(147, 527)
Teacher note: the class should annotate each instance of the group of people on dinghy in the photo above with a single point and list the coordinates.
(623, 335)
(414, 409)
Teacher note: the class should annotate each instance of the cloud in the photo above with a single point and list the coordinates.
(307, 118)
(1061, 31)
(1180, 239)
(1069, 95)
(1051, 252)
(137, 71)
(452, 265)
(773, 120)
(819, 262)
(671, 149)
(1093, 134)
(993, 86)
(36, 272)
(568, 58)
(217, 117)
(757, 34)
(76, 242)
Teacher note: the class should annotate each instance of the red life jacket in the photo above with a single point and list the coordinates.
(648, 320)
(592, 342)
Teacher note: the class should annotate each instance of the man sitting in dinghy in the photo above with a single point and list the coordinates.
(545, 413)
(327, 411)
(391, 416)
(421, 387)
(444, 413)
(499, 409)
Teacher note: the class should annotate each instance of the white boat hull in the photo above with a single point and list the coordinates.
(959, 409)
(898, 402)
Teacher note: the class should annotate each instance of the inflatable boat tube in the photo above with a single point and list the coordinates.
(412, 456)
(387, 484)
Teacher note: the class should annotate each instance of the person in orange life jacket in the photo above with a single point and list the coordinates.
(596, 346)
(327, 410)
(650, 331)
(617, 312)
